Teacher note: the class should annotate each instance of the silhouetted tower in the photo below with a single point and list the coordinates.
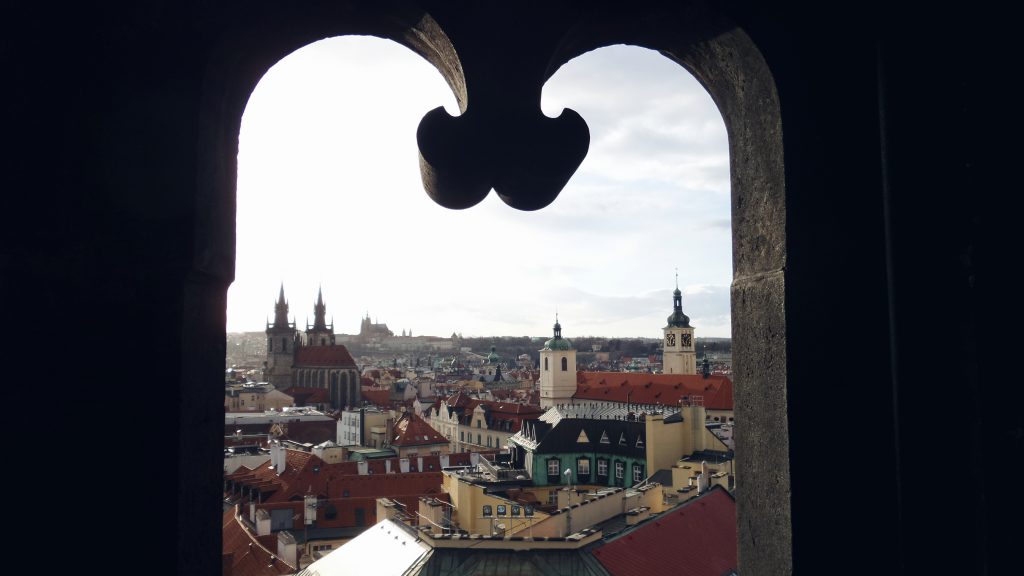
(281, 340)
(320, 333)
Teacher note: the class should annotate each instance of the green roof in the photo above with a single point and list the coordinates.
(558, 344)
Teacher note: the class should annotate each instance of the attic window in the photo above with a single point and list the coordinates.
(622, 439)
(582, 438)
(604, 438)
(639, 442)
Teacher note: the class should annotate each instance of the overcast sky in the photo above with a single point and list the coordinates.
(329, 194)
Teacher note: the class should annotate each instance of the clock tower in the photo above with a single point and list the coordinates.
(557, 370)
(679, 352)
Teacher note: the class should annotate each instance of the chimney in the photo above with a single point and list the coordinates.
(282, 459)
(389, 431)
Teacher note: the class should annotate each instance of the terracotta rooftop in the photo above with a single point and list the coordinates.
(244, 554)
(411, 430)
(664, 389)
(336, 355)
(304, 395)
(377, 397)
(697, 538)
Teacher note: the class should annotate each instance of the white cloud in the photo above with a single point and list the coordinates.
(329, 193)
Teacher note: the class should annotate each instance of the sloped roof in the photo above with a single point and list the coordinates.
(335, 355)
(411, 430)
(566, 434)
(305, 473)
(246, 555)
(659, 389)
(307, 395)
(377, 397)
(696, 538)
(384, 548)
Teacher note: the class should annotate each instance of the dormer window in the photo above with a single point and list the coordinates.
(604, 438)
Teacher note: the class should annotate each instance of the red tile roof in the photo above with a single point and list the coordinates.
(302, 431)
(377, 397)
(336, 355)
(411, 430)
(664, 389)
(697, 538)
(244, 555)
(305, 395)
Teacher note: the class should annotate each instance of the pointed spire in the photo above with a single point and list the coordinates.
(281, 310)
(319, 313)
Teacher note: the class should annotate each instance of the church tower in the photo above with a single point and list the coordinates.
(320, 333)
(557, 370)
(281, 337)
(680, 356)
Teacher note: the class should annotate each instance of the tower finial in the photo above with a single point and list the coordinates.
(677, 277)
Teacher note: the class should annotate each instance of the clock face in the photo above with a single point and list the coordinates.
(670, 340)
(687, 340)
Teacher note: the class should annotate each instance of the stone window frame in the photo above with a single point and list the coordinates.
(709, 45)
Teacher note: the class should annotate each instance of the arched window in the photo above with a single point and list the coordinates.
(565, 364)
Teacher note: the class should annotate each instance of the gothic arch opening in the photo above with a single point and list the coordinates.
(713, 49)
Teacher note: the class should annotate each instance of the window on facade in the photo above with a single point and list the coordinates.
(565, 364)
(620, 470)
(488, 441)
(583, 467)
(553, 467)
(487, 510)
(602, 467)
(478, 440)
(462, 435)
(545, 364)
(638, 473)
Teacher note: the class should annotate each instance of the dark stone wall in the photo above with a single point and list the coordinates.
(874, 287)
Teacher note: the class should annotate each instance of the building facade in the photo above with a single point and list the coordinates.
(557, 369)
(311, 359)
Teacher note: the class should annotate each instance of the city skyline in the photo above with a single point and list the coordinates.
(329, 197)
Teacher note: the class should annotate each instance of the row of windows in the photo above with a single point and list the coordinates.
(565, 364)
(491, 440)
(583, 468)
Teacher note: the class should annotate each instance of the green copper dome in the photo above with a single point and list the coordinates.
(493, 357)
(558, 343)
